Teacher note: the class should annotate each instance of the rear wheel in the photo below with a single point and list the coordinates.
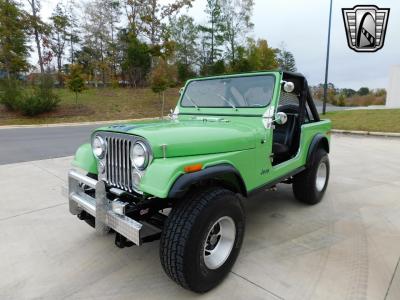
(309, 186)
(202, 238)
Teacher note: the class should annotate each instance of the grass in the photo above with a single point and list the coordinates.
(99, 105)
(120, 104)
(383, 120)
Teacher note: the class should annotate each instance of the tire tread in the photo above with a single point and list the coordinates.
(178, 228)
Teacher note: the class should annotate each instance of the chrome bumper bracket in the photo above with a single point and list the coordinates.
(100, 208)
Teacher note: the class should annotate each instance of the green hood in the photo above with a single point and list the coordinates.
(190, 137)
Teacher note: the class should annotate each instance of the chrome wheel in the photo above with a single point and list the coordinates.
(320, 179)
(219, 243)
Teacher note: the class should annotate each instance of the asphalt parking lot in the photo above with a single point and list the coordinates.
(347, 247)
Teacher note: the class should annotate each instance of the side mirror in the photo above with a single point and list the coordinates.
(280, 118)
(181, 91)
(288, 87)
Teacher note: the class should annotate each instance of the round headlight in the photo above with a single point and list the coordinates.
(99, 147)
(139, 156)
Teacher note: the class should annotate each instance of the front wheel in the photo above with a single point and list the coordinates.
(202, 238)
(309, 186)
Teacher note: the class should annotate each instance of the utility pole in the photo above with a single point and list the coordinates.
(327, 60)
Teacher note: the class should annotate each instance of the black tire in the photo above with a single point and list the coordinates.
(305, 183)
(185, 233)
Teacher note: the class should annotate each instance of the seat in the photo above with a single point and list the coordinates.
(278, 148)
(283, 139)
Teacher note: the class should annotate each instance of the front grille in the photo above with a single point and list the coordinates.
(117, 162)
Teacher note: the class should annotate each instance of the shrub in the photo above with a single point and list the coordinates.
(363, 91)
(185, 72)
(76, 83)
(340, 101)
(10, 93)
(41, 100)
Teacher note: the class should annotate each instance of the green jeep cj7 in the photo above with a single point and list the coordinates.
(183, 179)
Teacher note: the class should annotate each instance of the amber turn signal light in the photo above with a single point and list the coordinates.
(193, 168)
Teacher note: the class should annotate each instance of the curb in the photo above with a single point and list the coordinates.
(340, 131)
(367, 133)
(72, 124)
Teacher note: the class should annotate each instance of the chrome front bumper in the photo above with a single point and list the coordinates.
(100, 208)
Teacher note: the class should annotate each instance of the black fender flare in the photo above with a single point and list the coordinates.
(224, 173)
(318, 141)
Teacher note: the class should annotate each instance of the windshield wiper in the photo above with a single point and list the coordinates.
(194, 103)
(227, 101)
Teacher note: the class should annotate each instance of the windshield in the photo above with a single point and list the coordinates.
(234, 92)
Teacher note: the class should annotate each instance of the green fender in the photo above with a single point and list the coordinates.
(85, 159)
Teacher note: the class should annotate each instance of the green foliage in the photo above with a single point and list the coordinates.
(258, 56)
(241, 63)
(162, 77)
(85, 58)
(43, 99)
(261, 56)
(363, 91)
(184, 32)
(147, 17)
(136, 60)
(40, 31)
(13, 39)
(60, 36)
(236, 16)
(348, 92)
(10, 93)
(76, 82)
(341, 101)
(380, 92)
(213, 32)
(331, 97)
(185, 72)
(285, 60)
(218, 68)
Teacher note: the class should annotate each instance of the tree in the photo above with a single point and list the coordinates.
(14, 47)
(113, 8)
(348, 92)
(184, 33)
(135, 57)
(380, 92)
(40, 31)
(97, 38)
(261, 56)
(213, 31)
(161, 77)
(147, 18)
(86, 58)
(286, 60)
(60, 36)
(363, 91)
(76, 82)
(73, 29)
(242, 63)
(341, 101)
(236, 19)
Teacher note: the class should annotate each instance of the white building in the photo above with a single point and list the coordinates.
(393, 91)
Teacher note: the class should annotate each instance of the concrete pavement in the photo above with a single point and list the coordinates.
(347, 247)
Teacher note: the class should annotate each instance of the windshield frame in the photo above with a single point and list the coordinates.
(245, 75)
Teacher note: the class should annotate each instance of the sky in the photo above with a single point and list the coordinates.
(302, 25)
